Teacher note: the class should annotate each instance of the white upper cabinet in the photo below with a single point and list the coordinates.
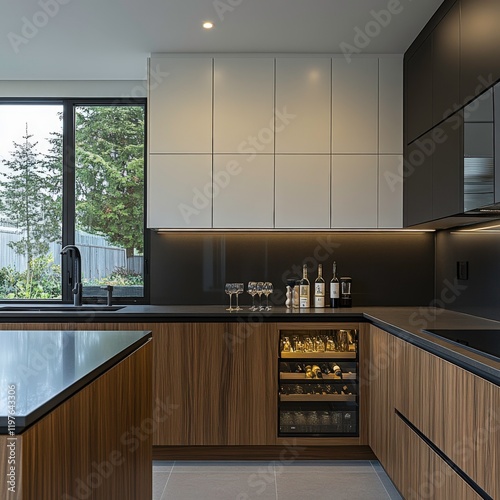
(303, 105)
(243, 105)
(302, 191)
(354, 191)
(249, 141)
(243, 191)
(391, 105)
(355, 105)
(390, 191)
(180, 191)
(180, 105)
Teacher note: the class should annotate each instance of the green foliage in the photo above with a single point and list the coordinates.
(30, 196)
(42, 280)
(109, 160)
(119, 277)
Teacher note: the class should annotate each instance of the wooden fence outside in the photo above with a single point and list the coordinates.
(99, 258)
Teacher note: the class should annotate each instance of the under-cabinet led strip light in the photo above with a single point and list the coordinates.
(297, 230)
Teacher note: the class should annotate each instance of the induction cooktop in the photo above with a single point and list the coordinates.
(484, 341)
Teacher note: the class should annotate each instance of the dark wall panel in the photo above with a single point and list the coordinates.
(480, 294)
(393, 269)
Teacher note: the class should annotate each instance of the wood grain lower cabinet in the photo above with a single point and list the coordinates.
(419, 472)
(96, 445)
(221, 380)
(457, 411)
(454, 409)
(380, 378)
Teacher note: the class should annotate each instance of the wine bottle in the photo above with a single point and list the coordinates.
(334, 288)
(319, 288)
(284, 367)
(309, 372)
(299, 368)
(304, 289)
(317, 371)
(336, 370)
(325, 368)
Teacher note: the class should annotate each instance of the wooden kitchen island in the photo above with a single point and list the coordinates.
(75, 415)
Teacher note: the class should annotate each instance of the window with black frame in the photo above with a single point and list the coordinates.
(85, 156)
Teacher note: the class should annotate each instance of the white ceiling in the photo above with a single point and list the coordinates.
(111, 39)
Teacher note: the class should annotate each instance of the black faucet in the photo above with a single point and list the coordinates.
(109, 294)
(76, 277)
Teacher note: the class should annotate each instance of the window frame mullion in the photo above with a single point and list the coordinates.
(69, 204)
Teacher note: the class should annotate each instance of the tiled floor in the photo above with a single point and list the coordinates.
(322, 480)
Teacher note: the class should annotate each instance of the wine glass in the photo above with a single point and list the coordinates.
(267, 289)
(229, 289)
(252, 290)
(238, 288)
(260, 290)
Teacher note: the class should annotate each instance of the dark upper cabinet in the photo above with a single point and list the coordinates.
(479, 47)
(452, 65)
(447, 169)
(418, 69)
(433, 179)
(418, 181)
(446, 65)
(496, 130)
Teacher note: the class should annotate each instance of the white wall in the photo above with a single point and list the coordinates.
(72, 88)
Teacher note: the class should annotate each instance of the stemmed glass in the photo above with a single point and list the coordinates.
(230, 289)
(260, 290)
(252, 290)
(267, 289)
(238, 288)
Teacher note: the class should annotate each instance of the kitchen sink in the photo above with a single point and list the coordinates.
(484, 341)
(58, 308)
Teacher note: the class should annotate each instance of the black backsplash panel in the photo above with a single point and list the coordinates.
(480, 294)
(387, 269)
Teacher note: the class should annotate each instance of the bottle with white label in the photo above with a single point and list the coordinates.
(304, 292)
(334, 288)
(319, 288)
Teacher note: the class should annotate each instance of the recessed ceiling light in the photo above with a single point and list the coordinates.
(208, 25)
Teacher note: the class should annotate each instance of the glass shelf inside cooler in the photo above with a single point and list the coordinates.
(319, 355)
(329, 376)
(317, 397)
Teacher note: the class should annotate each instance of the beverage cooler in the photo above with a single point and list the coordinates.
(318, 383)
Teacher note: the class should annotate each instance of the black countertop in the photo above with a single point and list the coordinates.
(40, 369)
(130, 313)
(408, 323)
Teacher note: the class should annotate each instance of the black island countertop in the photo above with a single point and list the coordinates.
(408, 323)
(40, 369)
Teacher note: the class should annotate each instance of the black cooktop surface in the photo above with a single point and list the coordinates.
(485, 341)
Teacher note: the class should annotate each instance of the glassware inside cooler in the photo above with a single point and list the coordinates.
(324, 420)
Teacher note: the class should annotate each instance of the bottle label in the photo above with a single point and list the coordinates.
(334, 290)
(304, 296)
(319, 301)
(319, 289)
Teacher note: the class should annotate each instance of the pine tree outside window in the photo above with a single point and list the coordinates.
(85, 156)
